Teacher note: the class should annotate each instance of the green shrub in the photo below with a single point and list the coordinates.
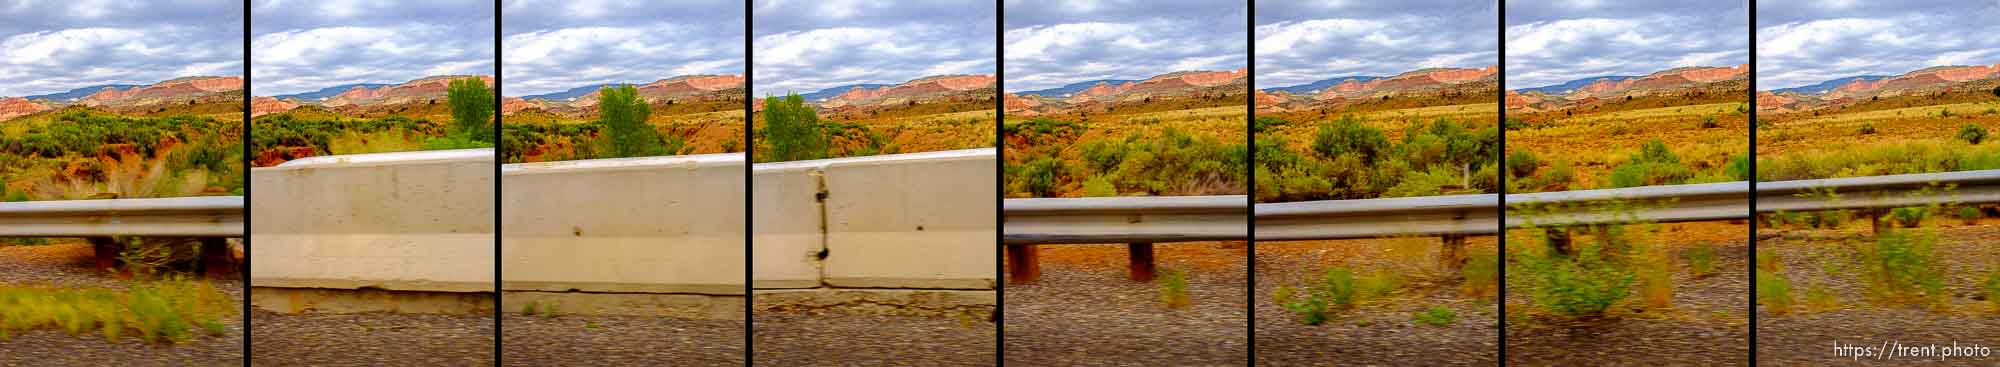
(1909, 217)
(1701, 260)
(1708, 122)
(1867, 129)
(1040, 175)
(1969, 214)
(1338, 290)
(1173, 289)
(1099, 186)
(1435, 316)
(1902, 267)
(1482, 275)
(1522, 163)
(1972, 133)
(1992, 288)
(1348, 136)
(1774, 292)
(1653, 164)
(1586, 284)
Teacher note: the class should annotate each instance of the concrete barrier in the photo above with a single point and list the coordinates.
(905, 221)
(629, 225)
(411, 221)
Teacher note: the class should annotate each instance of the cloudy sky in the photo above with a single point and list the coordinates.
(1051, 43)
(54, 46)
(807, 45)
(1550, 42)
(555, 45)
(304, 45)
(1807, 42)
(1305, 41)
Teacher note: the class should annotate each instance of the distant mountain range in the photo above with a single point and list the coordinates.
(329, 92)
(823, 94)
(1309, 88)
(1103, 95)
(1565, 87)
(75, 94)
(1822, 87)
(574, 92)
(1066, 90)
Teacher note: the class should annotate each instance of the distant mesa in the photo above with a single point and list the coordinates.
(124, 98)
(1355, 89)
(1105, 95)
(365, 98)
(679, 89)
(12, 107)
(866, 99)
(1856, 89)
(1676, 81)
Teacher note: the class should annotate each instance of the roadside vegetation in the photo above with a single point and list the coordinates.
(312, 131)
(791, 129)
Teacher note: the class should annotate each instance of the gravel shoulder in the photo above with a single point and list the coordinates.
(1806, 336)
(606, 340)
(370, 339)
(1084, 311)
(1379, 332)
(68, 263)
(797, 339)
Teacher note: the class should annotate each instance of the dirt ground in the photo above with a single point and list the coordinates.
(1807, 335)
(68, 263)
(602, 340)
(1084, 310)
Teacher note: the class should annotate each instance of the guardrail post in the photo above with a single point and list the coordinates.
(1140, 255)
(105, 250)
(1024, 263)
(215, 258)
(1452, 256)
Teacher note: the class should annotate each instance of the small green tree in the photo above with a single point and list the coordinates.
(471, 109)
(793, 129)
(624, 118)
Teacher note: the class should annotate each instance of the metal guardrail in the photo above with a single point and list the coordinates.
(1204, 218)
(209, 216)
(1125, 219)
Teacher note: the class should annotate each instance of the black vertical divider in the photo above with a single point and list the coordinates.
(1501, 40)
(1250, 190)
(499, 354)
(999, 182)
(244, 271)
(749, 152)
(1751, 309)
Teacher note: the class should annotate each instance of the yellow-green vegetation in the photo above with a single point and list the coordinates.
(1653, 140)
(165, 311)
(1136, 151)
(312, 131)
(1583, 271)
(1482, 275)
(789, 129)
(1350, 159)
(80, 153)
(625, 125)
(1933, 132)
(1338, 291)
(1435, 316)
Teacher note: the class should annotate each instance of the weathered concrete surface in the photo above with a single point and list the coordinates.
(641, 225)
(693, 306)
(301, 300)
(977, 305)
(413, 221)
(787, 233)
(923, 220)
